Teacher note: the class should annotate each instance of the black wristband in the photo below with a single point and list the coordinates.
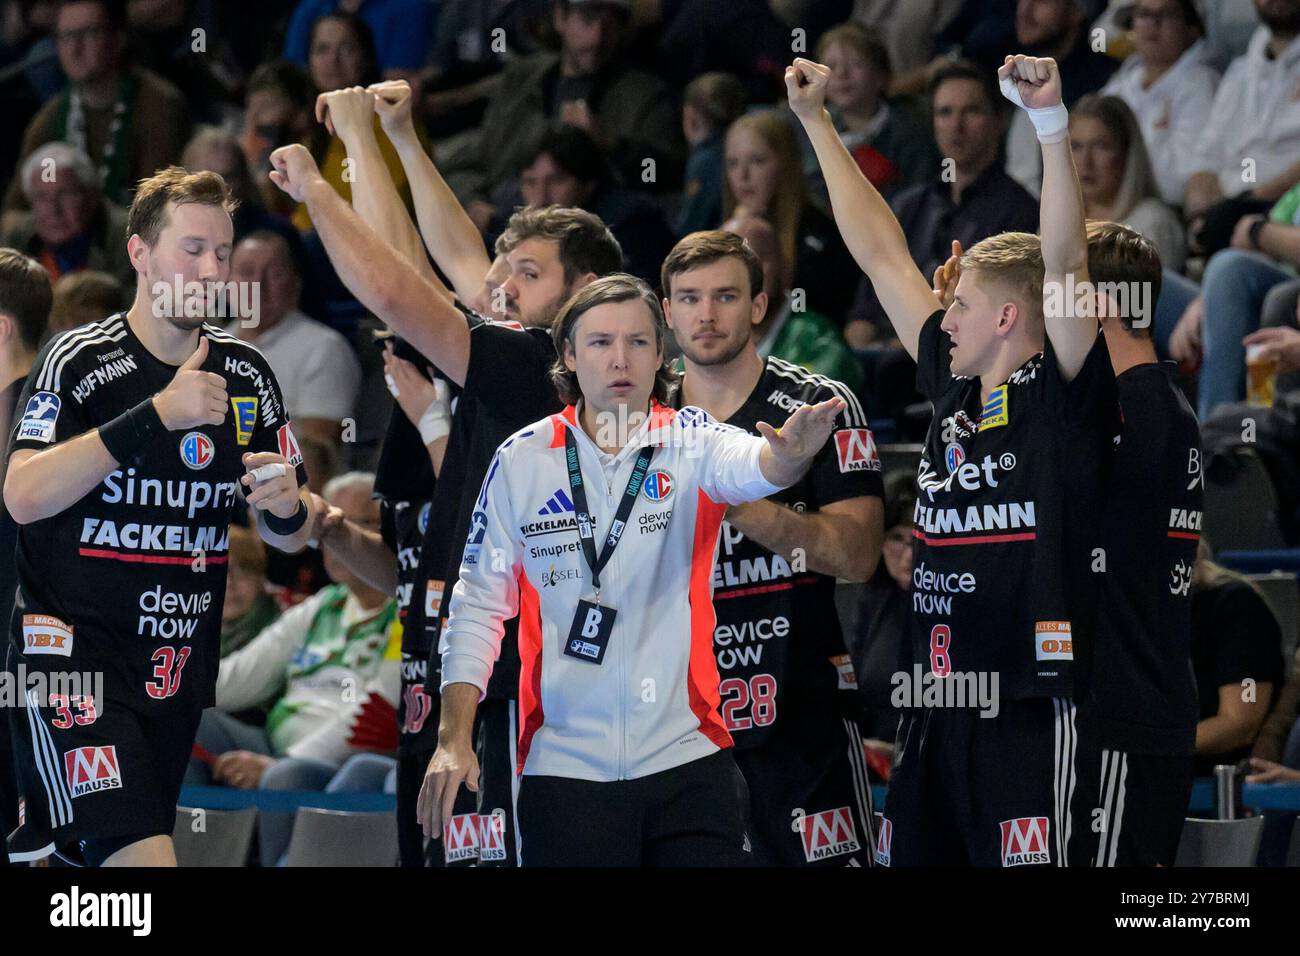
(128, 434)
(286, 526)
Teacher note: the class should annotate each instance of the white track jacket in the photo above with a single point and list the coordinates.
(652, 704)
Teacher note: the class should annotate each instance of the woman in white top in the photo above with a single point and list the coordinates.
(1169, 87)
(1116, 178)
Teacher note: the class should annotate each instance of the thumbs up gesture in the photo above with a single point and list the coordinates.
(193, 397)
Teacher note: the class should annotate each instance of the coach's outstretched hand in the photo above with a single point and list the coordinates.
(193, 397)
(790, 448)
(293, 169)
(805, 88)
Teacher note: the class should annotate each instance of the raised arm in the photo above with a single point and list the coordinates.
(870, 230)
(450, 236)
(383, 282)
(350, 114)
(1034, 85)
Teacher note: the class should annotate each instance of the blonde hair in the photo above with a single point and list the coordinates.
(790, 196)
(1015, 260)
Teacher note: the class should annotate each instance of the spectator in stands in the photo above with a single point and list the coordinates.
(342, 54)
(1276, 759)
(889, 137)
(1236, 658)
(218, 150)
(1245, 158)
(629, 113)
(277, 110)
(185, 42)
(1055, 28)
(567, 169)
(85, 296)
(337, 656)
(250, 605)
(970, 199)
(711, 103)
(1234, 291)
(318, 372)
(765, 178)
(129, 121)
(801, 336)
(909, 29)
(1116, 178)
(27, 44)
(69, 225)
(1169, 87)
(403, 32)
(884, 616)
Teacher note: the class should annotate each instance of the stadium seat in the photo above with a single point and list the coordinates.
(1240, 504)
(336, 838)
(1283, 597)
(213, 837)
(1220, 842)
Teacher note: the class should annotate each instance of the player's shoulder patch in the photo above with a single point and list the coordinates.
(39, 416)
(489, 323)
(855, 450)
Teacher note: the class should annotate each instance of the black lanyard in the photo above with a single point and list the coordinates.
(585, 525)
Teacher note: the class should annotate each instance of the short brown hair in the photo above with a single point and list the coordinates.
(1015, 260)
(1118, 254)
(586, 244)
(148, 215)
(720, 98)
(862, 40)
(25, 295)
(705, 248)
(84, 290)
(619, 287)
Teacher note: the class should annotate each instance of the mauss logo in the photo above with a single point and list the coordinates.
(829, 833)
(289, 449)
(856, 450)
(461, 838)
(1024, 841)
(884, 841)
(492, 836)
(91, 769)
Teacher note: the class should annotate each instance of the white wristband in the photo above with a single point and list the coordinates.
(267, 472)
(1052, 123)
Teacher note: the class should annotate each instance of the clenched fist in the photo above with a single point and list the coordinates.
(805, 88)
(393, 104)
(293, 169)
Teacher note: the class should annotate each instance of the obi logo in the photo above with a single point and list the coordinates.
(39, 416)
(658, 485)
(245, 418)
(46, 634)
(856, 450)
(1024, 841)
(1053, 641)
(462, 838)
(994, 414)
(289, 450)
(884, 841)
(197, 450)
(91, 769)
(826, 834)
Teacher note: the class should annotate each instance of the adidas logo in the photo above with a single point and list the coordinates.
(557, 504)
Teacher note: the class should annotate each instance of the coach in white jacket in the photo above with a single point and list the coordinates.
(599, 526)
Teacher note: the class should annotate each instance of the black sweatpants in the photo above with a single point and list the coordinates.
(691, 815)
